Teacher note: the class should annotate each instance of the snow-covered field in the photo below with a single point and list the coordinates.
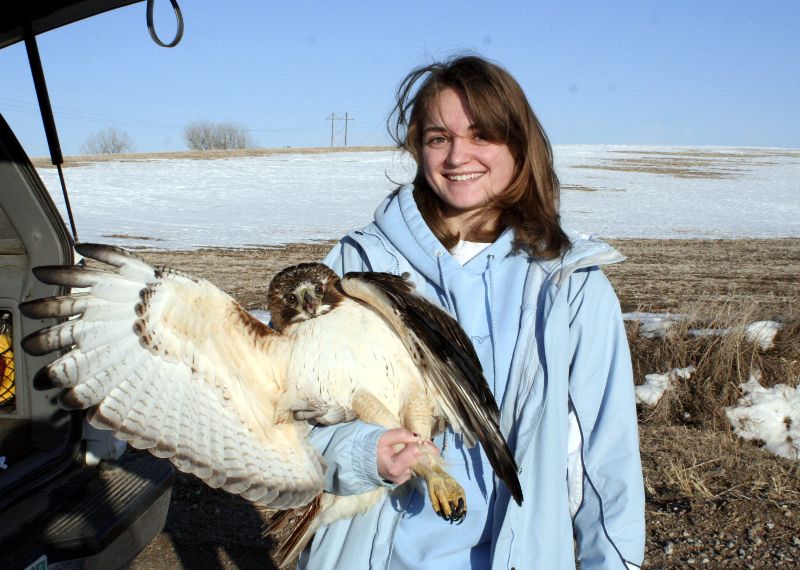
(609, 191)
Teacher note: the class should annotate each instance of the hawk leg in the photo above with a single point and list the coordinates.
(446, 495)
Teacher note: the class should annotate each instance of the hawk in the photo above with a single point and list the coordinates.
(172, 364)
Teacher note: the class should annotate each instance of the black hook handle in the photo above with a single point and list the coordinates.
(151, 27)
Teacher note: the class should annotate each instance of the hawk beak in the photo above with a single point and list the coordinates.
(310, 303)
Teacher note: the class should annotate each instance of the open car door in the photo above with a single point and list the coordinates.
(67, 497)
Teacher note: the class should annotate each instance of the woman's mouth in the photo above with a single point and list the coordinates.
(463, 177)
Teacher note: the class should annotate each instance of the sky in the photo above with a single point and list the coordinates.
(638, 72)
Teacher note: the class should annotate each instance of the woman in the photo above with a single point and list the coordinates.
(478, 231)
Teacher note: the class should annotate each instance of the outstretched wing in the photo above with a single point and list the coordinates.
(174, 365)
(447, 359)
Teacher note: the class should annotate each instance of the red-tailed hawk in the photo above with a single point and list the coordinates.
(173, 365)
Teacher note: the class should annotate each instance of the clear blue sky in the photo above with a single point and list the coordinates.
(639, 72)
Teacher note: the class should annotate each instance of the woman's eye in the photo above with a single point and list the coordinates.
(318, 290)
(291, 298)
(437, 140)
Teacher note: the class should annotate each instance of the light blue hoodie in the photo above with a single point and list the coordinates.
(550, 337)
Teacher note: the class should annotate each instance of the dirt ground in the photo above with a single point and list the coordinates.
(756, 527)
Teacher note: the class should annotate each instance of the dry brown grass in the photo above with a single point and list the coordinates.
(676, 168)
(687, 442)
(686, 462)
(677, 275)
(691, 163)
(722, 364)
(743, 152)
(82, 160)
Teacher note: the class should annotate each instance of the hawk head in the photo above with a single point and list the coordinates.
(302, 292)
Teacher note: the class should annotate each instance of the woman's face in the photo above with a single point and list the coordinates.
(465, 170)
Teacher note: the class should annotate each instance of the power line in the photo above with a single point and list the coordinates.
(333, 118)
(86, 116)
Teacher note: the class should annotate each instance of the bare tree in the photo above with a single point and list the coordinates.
(205, 135)
(110, 140)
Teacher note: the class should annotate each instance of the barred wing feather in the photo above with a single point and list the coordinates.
(174, 365)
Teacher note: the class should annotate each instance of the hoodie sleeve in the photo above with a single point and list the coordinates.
(350, 452)
(609, 523)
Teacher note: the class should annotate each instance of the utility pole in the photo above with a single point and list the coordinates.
(347, 119)
(333, 118)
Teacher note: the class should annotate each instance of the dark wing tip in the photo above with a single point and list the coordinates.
(32, 309)
(50, 274)
(109, 254)
(515, 489)
(88, 249)
(43, 381)
(36, 344)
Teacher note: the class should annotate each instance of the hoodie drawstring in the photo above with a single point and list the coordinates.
(448, 300)
(492, 321)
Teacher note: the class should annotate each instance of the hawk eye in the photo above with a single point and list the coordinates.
(291, 298)
(318, 289)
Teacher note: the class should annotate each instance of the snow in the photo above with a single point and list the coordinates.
(763, 333)
(653, 325)
(770, 415)
(655, 385)
(284, 198)
(659, 325)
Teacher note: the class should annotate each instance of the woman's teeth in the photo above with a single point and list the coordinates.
(462, 177)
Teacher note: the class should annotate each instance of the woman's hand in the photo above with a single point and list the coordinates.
(398, 450)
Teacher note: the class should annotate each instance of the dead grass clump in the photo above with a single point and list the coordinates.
(675, 170)
(681, 461)
(722, 363)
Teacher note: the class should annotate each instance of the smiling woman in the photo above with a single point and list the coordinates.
(476, 140)
(478, 233)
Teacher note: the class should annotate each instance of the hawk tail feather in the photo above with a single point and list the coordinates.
(305, 521)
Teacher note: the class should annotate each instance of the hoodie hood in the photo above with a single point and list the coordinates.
(398, 219)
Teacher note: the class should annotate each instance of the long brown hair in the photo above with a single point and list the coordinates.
(502, 114)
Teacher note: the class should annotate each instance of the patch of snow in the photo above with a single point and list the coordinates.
(654, 325)
(655, 385)
(709, 332)
(771, 415)
(763, 333)
(658, 325)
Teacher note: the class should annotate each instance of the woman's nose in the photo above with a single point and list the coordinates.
(459, 152)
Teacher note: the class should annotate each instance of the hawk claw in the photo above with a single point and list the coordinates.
(447, 498)
(457, 513)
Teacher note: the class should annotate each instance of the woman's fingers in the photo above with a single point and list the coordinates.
(398, 449)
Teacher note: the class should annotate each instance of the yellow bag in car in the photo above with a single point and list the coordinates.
(6, 369)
